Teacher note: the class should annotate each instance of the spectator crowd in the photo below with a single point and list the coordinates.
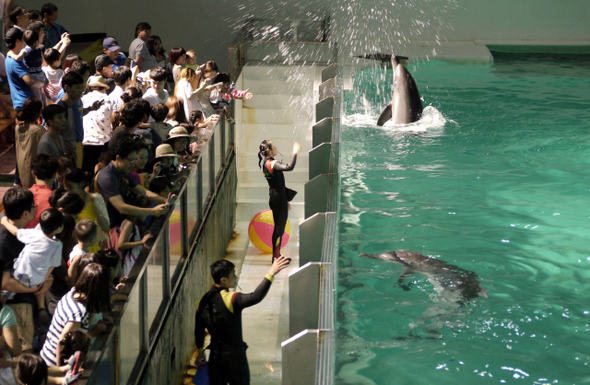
(101, 150)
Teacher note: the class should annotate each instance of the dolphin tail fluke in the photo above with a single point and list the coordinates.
(385, 115)
(382, 57)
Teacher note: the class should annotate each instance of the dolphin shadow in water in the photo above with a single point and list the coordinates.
(406, 105)
(454, 286)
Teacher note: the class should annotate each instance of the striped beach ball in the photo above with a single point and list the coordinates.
(261, 228)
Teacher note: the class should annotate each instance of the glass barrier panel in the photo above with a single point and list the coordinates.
(154, 281)
(206, 184)
(218, 149)
(101, 373)
(129, 334)
(174, 237)
(191, 204)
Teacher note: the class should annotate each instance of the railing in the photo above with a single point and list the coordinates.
(120, 355)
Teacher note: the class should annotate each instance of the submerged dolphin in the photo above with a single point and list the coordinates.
(452, 283)
(406, 105)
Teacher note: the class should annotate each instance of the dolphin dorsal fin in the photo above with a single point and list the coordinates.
(385, 115)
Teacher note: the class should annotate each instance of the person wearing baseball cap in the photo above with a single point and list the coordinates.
(104, 68)
(111, 48)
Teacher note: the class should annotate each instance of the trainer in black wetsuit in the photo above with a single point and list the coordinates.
(278, 202)
(220, 312)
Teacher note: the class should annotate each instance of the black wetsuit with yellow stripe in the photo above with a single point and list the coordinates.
(220, 312)
(278, 201)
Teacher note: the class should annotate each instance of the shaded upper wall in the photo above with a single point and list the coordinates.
(209, 26)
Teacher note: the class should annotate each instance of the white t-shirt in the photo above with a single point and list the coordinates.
(184, 90)
(54, 81)
(97, 124)
(39, 254)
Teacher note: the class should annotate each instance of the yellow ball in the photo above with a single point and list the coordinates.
(261, 228)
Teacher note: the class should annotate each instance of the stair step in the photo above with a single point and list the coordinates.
(276, 87)
(298, 74)
(281, 101)
(277, 116)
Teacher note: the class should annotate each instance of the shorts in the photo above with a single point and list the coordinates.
(25, 324)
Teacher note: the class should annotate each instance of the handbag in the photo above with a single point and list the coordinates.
(291, 194)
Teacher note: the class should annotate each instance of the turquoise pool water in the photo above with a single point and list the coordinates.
(495, 181)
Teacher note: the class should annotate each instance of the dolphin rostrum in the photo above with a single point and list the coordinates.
(451, 282)
(406, 105)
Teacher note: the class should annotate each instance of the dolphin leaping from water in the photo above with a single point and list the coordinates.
(406, 105)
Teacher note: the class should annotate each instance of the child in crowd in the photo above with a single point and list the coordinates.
(157, 93)
(33, 58)
(159, 111)
(32, 370)
(191, 60)
(131, 243)
(97, 123)
(52, 142)
(111, 260)
(42, 252)
(86, 233)
(53, 72)
(221, 96)
(178, 60)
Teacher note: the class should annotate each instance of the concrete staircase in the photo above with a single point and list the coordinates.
(282, 110)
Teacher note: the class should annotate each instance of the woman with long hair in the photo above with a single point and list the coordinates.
(278, 192)
(154, 46)
(176, 114)
(188, 89)
(75, 311)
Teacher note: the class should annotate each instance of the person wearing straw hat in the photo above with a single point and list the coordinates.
(163, 165)
(179, 138)
(97, 123)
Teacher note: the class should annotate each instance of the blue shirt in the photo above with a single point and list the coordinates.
(19, 90)
(53, 35)
(120, 61)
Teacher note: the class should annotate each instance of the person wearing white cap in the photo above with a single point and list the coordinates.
(97, 123)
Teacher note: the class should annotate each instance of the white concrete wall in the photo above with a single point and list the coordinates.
(362, 25)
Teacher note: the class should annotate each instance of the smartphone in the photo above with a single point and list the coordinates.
(77, 362)
(171, 199)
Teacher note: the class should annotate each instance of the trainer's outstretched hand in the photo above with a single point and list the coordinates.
(279, 264)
